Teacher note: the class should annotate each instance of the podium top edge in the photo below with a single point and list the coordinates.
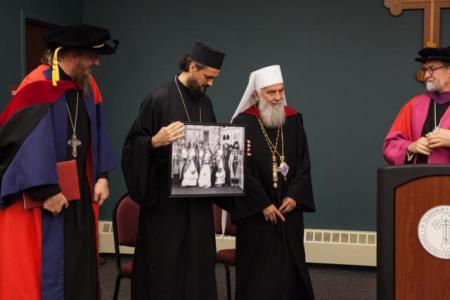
(395, 175)
(415, 167)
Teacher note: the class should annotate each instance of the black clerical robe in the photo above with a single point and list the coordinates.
(270, 262)
(175, 251)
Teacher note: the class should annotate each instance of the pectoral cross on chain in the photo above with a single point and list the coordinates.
(432, 16)
(444, 223)
(74, 142)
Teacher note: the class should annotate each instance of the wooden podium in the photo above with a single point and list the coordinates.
(408, 195)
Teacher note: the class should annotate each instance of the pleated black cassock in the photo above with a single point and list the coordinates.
(175, 251)
(271, 258)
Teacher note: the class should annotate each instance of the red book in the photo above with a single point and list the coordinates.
(68, 182)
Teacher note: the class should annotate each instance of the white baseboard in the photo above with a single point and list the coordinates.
(106, 239)
(342, 247)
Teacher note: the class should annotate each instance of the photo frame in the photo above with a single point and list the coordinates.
(209, 161)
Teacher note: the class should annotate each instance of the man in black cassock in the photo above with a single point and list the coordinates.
(175, 250)
(270, 262)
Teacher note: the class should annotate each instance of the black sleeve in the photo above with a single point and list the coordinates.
(256, 198)
(300, 187)
(213, 114)
(103, 175)
(226, 203)
(42, 192)
(138, 156)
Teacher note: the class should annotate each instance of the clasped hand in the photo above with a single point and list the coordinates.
(55, 203)
(424, 145)
(271, 213)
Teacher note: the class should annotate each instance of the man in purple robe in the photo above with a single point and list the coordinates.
(420, 133)
(50, 252)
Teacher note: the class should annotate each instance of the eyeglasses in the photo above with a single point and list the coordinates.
(432, 69)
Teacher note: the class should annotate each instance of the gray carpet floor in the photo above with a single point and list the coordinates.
(329, 281)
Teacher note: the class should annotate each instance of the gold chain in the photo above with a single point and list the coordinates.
(274, 150)
(282, 145)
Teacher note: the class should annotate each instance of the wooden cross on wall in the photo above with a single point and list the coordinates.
(432, 16)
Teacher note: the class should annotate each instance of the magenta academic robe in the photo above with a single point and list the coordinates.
(407, 128)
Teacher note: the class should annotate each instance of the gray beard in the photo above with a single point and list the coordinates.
(431, 86)
(271, 116)
(436, 85)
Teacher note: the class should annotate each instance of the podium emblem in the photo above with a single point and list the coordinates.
(434, 231)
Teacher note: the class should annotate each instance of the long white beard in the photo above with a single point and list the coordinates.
(272, 116)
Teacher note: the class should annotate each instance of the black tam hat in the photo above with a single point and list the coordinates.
(427, 54)
(82, 37)
(207, 56)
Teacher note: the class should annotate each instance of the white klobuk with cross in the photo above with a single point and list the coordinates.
(434, 231)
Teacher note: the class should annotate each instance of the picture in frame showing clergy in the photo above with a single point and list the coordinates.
(208, 161)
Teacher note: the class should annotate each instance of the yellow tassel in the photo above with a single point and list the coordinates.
(55, 67)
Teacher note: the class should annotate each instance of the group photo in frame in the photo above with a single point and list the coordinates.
(208, 161)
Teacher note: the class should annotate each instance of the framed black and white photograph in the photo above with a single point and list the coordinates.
(208, 161)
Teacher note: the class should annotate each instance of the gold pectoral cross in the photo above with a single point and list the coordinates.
(74, 142)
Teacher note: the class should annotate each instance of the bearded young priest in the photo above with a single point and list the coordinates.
(175, 250)
(270, 262)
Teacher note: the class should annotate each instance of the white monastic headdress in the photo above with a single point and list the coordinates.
(258, 79)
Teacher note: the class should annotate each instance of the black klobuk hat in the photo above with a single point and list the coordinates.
(207, 56)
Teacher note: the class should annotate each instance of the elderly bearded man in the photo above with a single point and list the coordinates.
(50, 252)
(420, 133)
(175, 249)
(270, 261)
